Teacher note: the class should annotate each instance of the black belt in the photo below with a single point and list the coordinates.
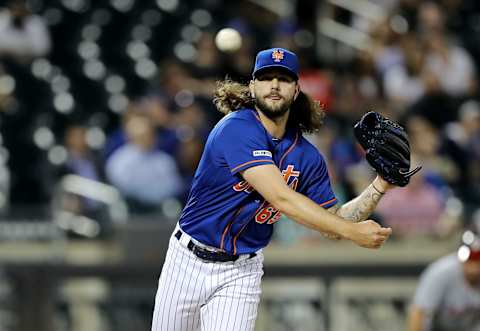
(211, 256)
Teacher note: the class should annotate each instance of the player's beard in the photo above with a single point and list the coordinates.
(273, 111)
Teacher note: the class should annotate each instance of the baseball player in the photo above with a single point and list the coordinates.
(256, 166)
(448, 294)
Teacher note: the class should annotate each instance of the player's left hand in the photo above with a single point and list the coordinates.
(386, 147)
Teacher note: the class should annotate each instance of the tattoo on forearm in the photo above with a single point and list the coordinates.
(361, 207)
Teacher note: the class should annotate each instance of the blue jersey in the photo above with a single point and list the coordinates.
(223, 210)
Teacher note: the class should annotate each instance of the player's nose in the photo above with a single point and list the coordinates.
(275, 83)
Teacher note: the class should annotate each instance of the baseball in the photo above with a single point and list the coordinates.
(228, 40)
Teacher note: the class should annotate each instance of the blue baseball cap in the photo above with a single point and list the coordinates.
(276, 58)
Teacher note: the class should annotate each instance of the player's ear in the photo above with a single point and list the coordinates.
(251, 86)
(297, 92)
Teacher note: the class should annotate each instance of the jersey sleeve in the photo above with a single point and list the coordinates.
(243, 144)
(319, 188)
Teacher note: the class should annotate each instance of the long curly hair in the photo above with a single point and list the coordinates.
(305, 113)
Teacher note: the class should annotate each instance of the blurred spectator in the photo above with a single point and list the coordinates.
(188, 157)
(451, 64)
(417, 209)
(161, 117)
(431, 18)
(427, 142)
(191, 127)
(368, 79)
(463, 138)
(143, 174)
(81, 160)
(403, 82)
(340, 152)
(348, 101)
(448, 294)
(386, 49)
(22, 35)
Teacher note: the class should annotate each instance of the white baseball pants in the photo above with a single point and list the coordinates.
(195, 295)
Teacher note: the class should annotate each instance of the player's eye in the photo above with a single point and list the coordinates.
(270, 77)
(263, 78)
(285, 79)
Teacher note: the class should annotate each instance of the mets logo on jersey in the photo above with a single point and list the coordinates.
(277, 55)
(267, 213)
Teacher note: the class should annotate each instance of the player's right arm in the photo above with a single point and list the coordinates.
(359, 208)
(268, 182)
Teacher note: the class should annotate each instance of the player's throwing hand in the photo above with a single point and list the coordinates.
(369, 234)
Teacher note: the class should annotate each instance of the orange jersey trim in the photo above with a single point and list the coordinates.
(243, 227)
(327, 202)
(236, 237)
(250, 162)
(229, 225)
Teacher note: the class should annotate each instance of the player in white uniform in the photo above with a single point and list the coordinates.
(448, 295)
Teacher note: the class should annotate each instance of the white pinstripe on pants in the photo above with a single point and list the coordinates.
(195, 295)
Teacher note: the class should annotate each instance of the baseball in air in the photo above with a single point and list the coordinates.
(228, 40)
